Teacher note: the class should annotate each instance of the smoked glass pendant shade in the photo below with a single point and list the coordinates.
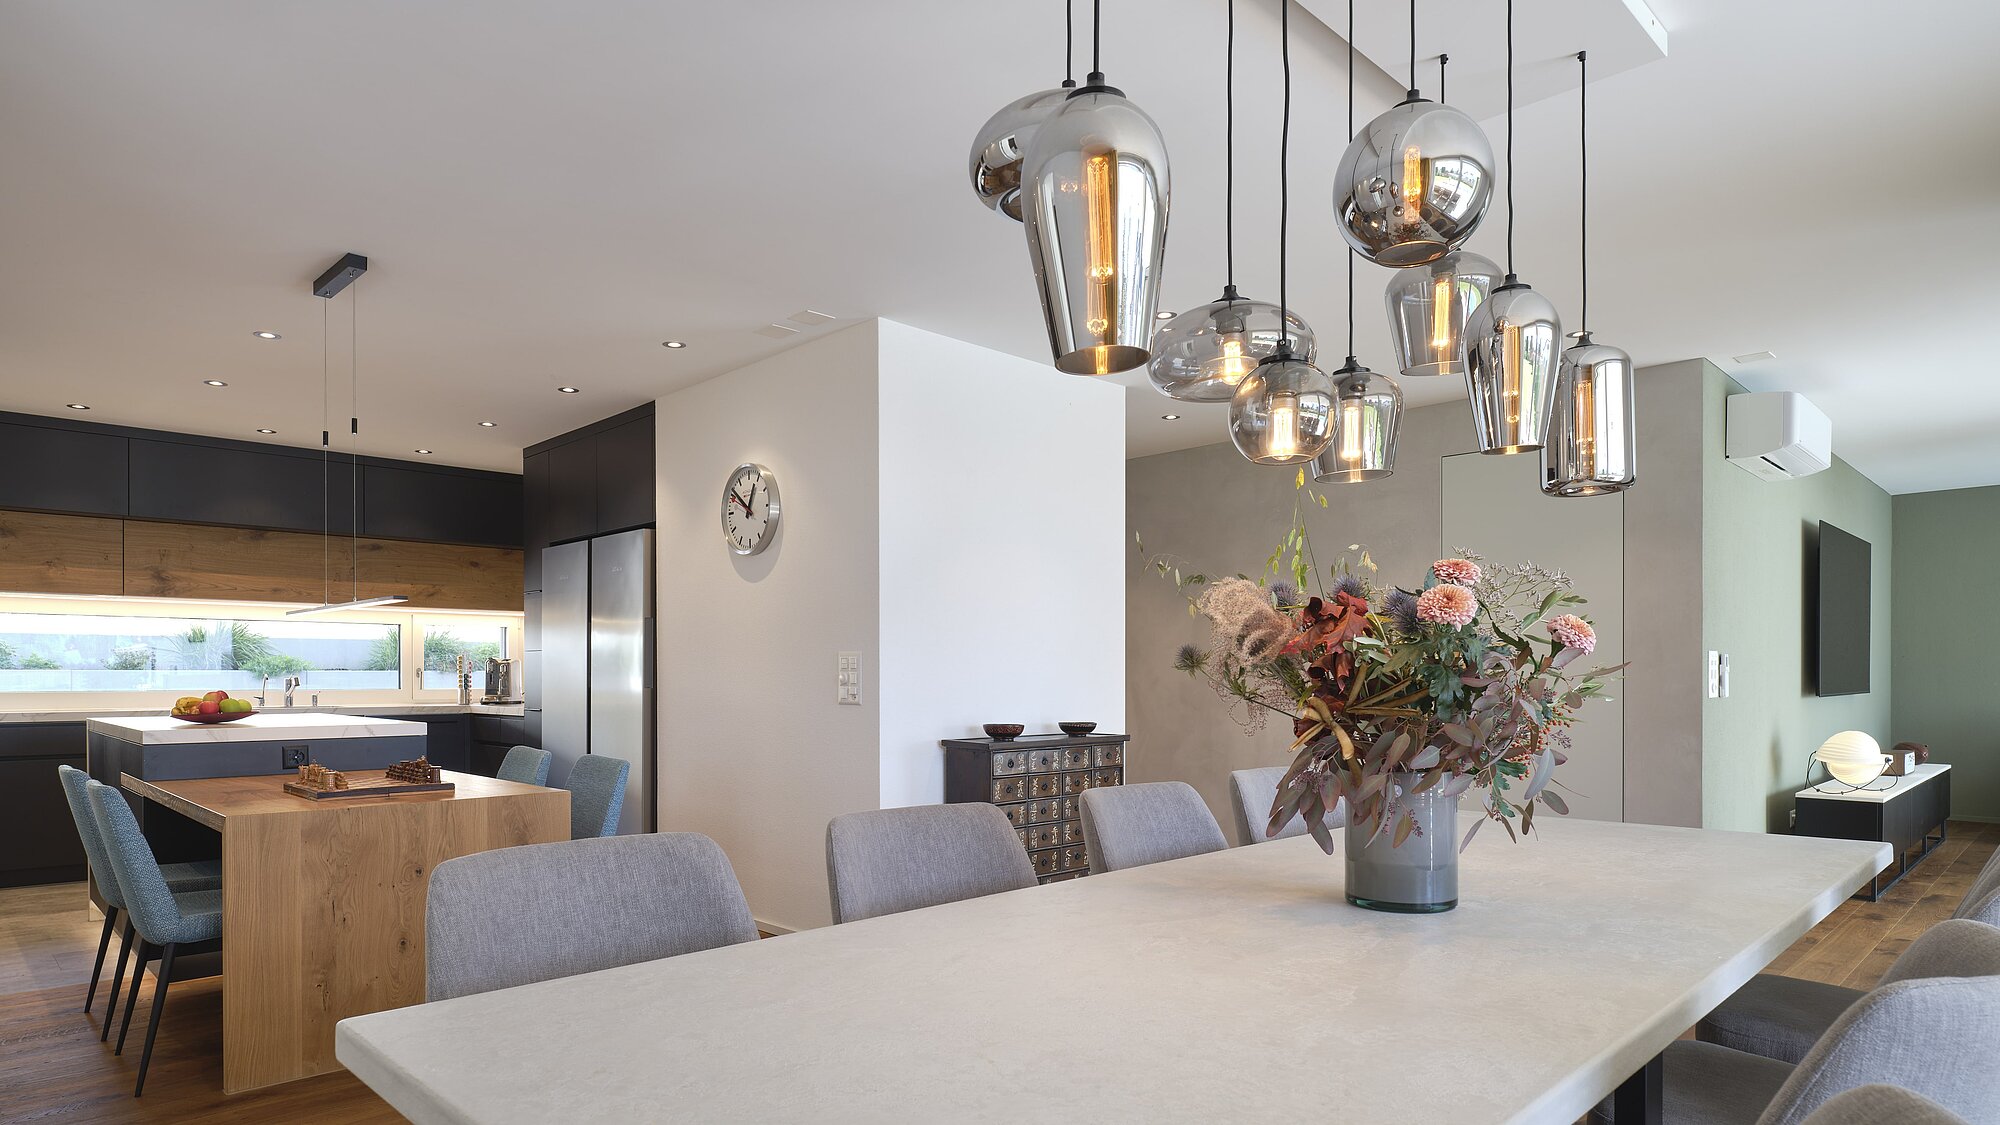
(995, 164)
(1591, 448)
(1094, 191)
(1205, 353)
(1413, 184)
(1429, 306)
(1511, 353)
(1367, 412)
(1282, 414)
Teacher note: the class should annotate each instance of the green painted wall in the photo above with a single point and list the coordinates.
(1947, 614)
(1756, 540)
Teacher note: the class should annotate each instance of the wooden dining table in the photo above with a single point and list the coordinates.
(323, 900)
(1233, 986)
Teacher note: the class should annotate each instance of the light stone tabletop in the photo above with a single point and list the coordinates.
(164, 730)
(1234, 986)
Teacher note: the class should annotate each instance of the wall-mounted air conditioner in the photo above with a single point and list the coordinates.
(1777, 435)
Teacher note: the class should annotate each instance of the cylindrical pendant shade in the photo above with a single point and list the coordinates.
(1413, 184)
(1282, 413)
(1429, 306)
(1094, 193)
(997, 150)
(1367, 413)
(1205, 353)
(1512, 343)
(1592, 443)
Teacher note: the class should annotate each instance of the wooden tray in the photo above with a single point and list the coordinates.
(369, 787)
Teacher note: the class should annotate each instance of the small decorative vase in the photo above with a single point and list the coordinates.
(1421, 876)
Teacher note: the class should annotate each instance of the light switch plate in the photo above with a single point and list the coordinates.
(847, 687)
(1722, 679)
(1714, 673)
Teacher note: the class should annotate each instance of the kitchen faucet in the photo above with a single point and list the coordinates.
(291, 684)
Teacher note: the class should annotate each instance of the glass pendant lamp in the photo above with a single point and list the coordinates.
(1511, 339)
(1429, 306)
(1000, 144)
(1593, 442)
(1205, 353)
(1094, 192)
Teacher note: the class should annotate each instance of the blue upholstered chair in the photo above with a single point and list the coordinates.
(886, 861)
(169, 923)
(596, 795)
(1134, 825)
(202, 876)
(526, 765)
(519, 915)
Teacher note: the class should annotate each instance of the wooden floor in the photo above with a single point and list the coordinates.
(53, 1069)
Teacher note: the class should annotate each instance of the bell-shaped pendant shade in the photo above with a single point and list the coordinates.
(997, 150)
(1592, 444)
(1205, 353)
(1367, 413)
(1429, 306)
(1282, 414)
(1413, 184)
(1512, 344)
(1094, 190)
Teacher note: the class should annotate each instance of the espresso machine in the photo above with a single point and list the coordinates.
(499, 681)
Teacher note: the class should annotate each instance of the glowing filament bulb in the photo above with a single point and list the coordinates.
(1284, 426)
(1234, 365)
(1413, 183)
(1510, 369)
(1441, 313)
(1350, 430)
(1586, 419)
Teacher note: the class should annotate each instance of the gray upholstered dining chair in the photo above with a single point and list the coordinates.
(1251, 795)
(1982, 900)
(199, 876)
(169, 923)
(526, 765)
(596, 795)
(519, 915)
(886, 861)
(1133, 825)
(1882, 1105)
(1781, 1017)
(1933, 1037)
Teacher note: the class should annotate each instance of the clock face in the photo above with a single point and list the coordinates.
(749, 509)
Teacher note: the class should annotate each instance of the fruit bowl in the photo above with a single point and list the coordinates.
(218, 717)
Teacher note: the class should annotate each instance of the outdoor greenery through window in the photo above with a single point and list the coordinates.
(48, 652)
(444, 644)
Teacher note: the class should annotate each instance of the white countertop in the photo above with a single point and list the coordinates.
(1233, 986)
(75, 715)
(1839, 790)
(164, 730)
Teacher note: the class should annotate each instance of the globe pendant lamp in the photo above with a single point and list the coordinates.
(1511, 339)
(1094, 191)
(997, 149)
(1592, 441)
(1281, 413)
(1414, 183)
(1205, 353)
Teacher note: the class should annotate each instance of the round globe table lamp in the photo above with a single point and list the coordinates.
(1852, 757)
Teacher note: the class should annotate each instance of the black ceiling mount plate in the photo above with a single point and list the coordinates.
(341, 275)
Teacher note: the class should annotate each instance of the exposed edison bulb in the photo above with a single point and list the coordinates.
(1284, 426)
(1586, 420)
(1413, 184)
(1441, 320)
(1510, 363)
(1100, 185)
(1234, 364)
(1351, 421)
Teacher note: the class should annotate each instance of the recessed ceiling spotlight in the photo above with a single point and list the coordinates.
(267, 335)
(1170, 417)
(1163, 316)
(567, 390)
(78, 406)
(489, 425)
(215, 382)
(423, 451)
(672, 344)
(1756, 357)
(262, 430)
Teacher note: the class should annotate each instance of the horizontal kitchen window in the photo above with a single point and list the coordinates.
(57, 652)
(446, 642)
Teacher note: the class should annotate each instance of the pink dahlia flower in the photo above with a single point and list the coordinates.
(1458, 572)
(1572, 631)
(1447, 605)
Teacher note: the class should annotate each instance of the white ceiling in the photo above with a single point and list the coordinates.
(548, 191)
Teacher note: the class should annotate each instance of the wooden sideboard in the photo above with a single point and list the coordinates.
(1037, 780)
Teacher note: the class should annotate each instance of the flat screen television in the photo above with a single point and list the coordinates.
(1843, 611)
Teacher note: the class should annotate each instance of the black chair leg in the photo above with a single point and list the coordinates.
(103, 946)
(147, 951)
(161, 979)
(117, 976)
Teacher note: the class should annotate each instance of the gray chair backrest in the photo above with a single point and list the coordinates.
(1954, 948)
(1133, 825)
(150, 901)
(890, 860)
(1883, 1105)
(76, 790)
(519, 915)
(1982, 899)
(526, 765)
(1251, 795)
(1935, 1037)
(596, 795)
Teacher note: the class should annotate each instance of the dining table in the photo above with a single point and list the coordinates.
(1237, 985)
(323, 900)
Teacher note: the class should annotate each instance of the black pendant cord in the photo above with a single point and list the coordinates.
(325, 466)
(1413, 48)
(1096, 42)
(1069, 44)
(1510, 140)
(1442, 59)
(1284, 177)
(1583, 185)
(1229, 157)
(354, 436)
(1350, 141)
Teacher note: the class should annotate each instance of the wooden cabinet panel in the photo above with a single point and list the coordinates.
(47, 554)
(625, 477)
(187, 561)
(440, 576)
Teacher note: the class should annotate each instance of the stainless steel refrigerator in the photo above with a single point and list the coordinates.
(596, 660)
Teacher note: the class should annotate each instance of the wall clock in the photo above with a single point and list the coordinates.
(749, 509)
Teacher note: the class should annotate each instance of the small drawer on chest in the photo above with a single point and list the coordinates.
(1044, 835)
(1109, 775)
(1042, 811)
(1007, 763)
(1076, 757)
(1112, 755)
(1009, 789)
(1017, 815)
(1074, 783)
(1074, 858)
(1072, 832)
(1044, 761)
(1046, 784)
(1047, 861)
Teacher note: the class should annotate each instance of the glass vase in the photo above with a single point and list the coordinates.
(1421, 875)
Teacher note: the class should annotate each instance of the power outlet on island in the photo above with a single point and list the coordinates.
(294, 756)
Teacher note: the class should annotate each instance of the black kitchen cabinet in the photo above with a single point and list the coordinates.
(492, 737)
(572, 492)
(625, 477)
(456, 506)
(591, 481)
(447, 739)
(535, 519)
(38, 840)
(188, 483)
(60, 469)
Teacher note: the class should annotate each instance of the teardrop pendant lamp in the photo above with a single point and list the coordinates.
(1512, 339)
(1094, 194)
(1205, 353)
(1368, 408)
(1593, 443)
(1282, 412)
(997, 149)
